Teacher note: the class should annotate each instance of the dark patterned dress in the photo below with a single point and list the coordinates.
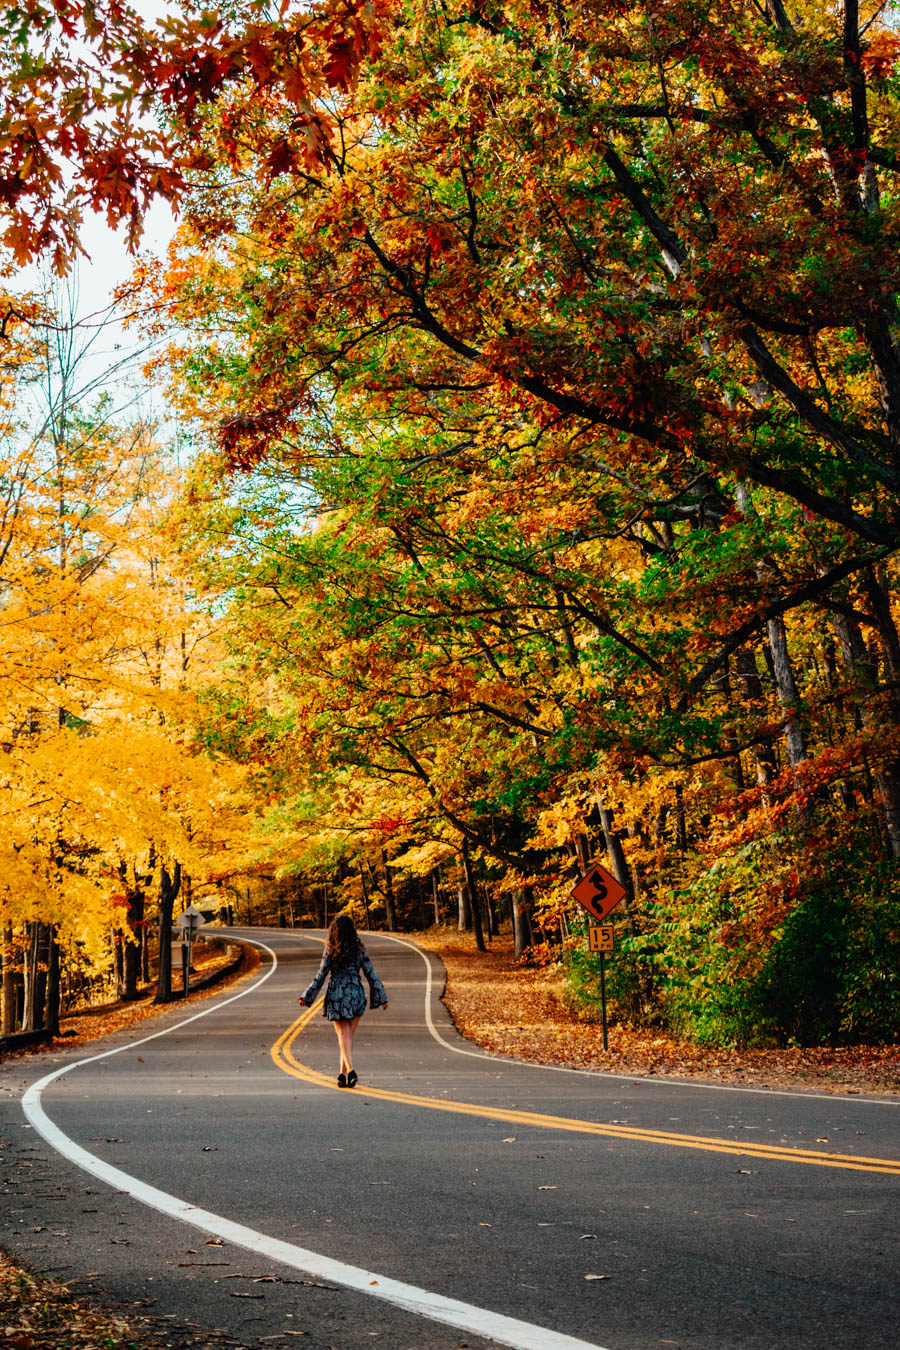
(346, 997)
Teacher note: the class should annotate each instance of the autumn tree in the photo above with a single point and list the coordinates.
(569, 343)
(104, 784)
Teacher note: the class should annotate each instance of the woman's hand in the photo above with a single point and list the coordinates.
(384, 1004)
(302, 1001)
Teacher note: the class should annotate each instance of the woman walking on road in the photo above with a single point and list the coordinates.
(345, 1001)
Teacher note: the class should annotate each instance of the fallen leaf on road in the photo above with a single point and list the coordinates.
(585, 1236)
(510, 1140)
(239, 1293)
(547, 1188)
(598, 1277)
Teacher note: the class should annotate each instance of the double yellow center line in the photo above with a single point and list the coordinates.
(283, 1055)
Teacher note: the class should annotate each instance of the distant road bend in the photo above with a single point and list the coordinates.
(453, 1198)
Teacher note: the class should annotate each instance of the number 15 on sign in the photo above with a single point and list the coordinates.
(601, 936)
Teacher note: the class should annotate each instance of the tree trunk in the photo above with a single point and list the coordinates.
(145, 952)
(40, 983)
(888, 780)
(523, 936)
(53, 984)
(752, 690)
(680, 821)
(473, 896)
(436, 897)
(721, 685)
(490, 903)
(168, 890)
(863, 671)
(618, 862)
(31, 1018)
(788, 694)
(131, 947)
(390, 909)
(780, 666)
(464, 912)
(365, 891)
(118, 969)
(8, 1006)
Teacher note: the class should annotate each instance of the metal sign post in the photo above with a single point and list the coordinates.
(601, 938)
(603, 999)
(190, 920)
(599, 892)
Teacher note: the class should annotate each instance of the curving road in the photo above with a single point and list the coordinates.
(213, 1175)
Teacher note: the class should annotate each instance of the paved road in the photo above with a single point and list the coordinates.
(453, 1199)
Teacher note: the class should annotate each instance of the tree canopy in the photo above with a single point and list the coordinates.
(543, 376)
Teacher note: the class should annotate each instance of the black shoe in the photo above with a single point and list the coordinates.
(342, 1080)
(352, 1078)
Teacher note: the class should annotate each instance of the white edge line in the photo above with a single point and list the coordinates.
(508, 1331)
(664, 1080)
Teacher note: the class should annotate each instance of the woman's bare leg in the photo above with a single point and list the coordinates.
(351, 1032)
(345, 1033)
(345, 1041)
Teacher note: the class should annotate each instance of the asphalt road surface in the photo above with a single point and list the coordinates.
(213, 1175)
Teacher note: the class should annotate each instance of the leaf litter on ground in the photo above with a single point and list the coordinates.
(38, 1313)
(521, 1011)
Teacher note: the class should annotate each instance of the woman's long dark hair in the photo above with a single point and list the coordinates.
(343, 944)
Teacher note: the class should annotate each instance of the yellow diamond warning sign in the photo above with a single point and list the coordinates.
(599, 892)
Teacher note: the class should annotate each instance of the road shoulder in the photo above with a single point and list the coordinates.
(519, 1011)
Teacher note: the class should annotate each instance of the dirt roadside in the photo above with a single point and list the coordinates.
(85, 1027)
(519, 1011)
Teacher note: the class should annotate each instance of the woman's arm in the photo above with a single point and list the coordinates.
(377, 996)
(308, 996)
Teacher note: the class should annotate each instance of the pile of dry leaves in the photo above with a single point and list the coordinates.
(519, 1011)
(37, 1313)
